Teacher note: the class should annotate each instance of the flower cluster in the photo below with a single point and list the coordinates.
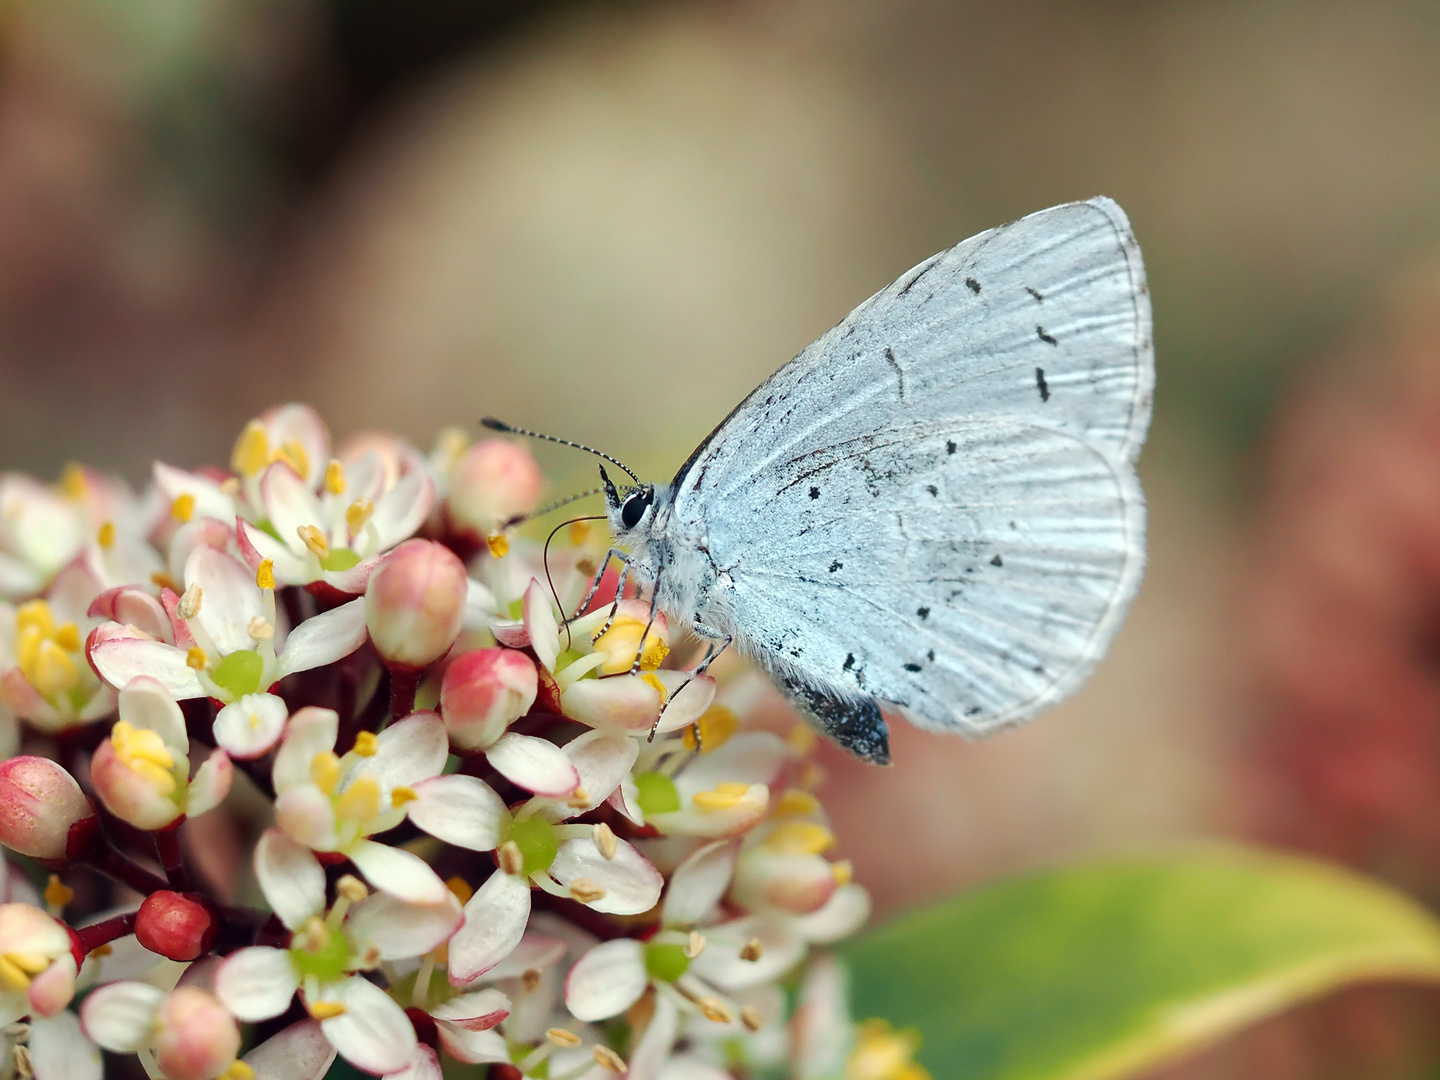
(317, 765)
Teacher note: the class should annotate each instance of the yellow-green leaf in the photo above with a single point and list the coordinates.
(1102, 970)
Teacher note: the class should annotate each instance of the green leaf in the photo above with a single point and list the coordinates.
(1103, 970)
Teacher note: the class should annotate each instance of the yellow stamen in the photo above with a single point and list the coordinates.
(579, 799)
(499, 545)
(752, 950)
(460, 889)
(265, 574)
(620, 642)
(605, 840)
(57, 893)
(696, 945)
(73, 484)
(883, 1054)
(800, 838)
(259, 629)
(357, 514)
(252, 450)
(586, 891)
(563, 1037)
(325, 771)
(161, 580)
(146, 754)
(652, 680)
(360, 801)
(530, 979)
(751, 1018)
(579, 533)
(367, 744)
(195, 658)
(725, 796)
(716, 726)
(314, 936)
(183, 508)
(609, 1059)
(106, 536)
(313, 539)
(335, 478)
(293, 454)
(715, 1010)
(512, 859)
(843, 872)
(238, 1070)
(67, 636)
(12, 976)
(51, 671)
(190, 600)
(801, 739)
(35, 615)
(326, 1010)
(796, 803)
(450, 443)
(101, 950)
(402, 795)
(351, 888)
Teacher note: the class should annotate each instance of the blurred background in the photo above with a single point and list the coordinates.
(612, 220)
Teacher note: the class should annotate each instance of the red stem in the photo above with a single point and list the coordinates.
(114, 865)
(402, 693)
(106, 931)
(172, 859)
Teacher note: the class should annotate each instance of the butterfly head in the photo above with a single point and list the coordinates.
(628, 510)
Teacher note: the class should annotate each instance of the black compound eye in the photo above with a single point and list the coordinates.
(634, 509)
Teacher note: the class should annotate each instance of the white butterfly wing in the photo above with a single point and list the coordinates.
(935, 504)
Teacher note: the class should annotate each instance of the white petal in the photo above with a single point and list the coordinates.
(460, 810)
(626, 801)
(632, 885)
(145, 703)
(403, 509)
(540, 622)
(628, 703)
(257, 545)
(373, 1032)
(653, 1049)
(720, 963)
(603, 758)
(398, 872)
(401, 930)
(229, 597)
(406, 752)
(300, 424)
(311, 731)
(536, 952)
(844, 913)
(424, 1066)
(210, 500)
(534, 764)
(289, 502)
(59, 1050)
(607, 980)
(290, 877)
(495, 919)
(118, 660)
(479, 1010)
(473, 1047)
(690, 1067)
(752, 757)
(211, 784)
(689, 697)
(699, 883)
(307, 816)
(121, 1016)
(300, 1052)
(479, 606)
(248, 728)
(256, 983)
(322, 639)
(822, 1031)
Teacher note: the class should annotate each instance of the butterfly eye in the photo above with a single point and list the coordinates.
(634, 509)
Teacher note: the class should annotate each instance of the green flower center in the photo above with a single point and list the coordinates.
(665, 962)
(657, 794)
(339, 559)
(536, 839)
(239, 673)
(318, 951)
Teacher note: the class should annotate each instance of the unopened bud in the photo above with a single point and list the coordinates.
(43, 812)
(483, 692)
(177, 926)
(492, 482)
(415, 604)
(197, 1038)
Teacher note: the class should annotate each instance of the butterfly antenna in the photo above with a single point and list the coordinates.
(520, 519)
(500, 425)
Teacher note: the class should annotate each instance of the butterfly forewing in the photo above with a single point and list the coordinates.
(935, 503)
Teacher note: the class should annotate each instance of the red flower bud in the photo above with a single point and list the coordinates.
(43, 812)
(415, 603)
(483, 692)
(178, 926)
(492, 482)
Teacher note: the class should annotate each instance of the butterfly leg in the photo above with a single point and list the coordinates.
(624, 558)
(712, 652)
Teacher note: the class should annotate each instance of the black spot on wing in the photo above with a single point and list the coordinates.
(1035, 293)
(912, 667)
(911, 283)
(814, 493)
(997, 561)
(950, 446)
(933, 490)
(836, 565)
(923, 612)
(899, 371)
(1042, 385)
(849, 661)
(1040, 330)
(973, 284)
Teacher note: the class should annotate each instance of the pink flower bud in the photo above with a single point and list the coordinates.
(178, 926)
(197, 1038)
(414, 604)
(483, 692)
(139, 797)
(492, 482)
(43, 812)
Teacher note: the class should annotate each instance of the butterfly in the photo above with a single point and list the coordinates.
(933, 509)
